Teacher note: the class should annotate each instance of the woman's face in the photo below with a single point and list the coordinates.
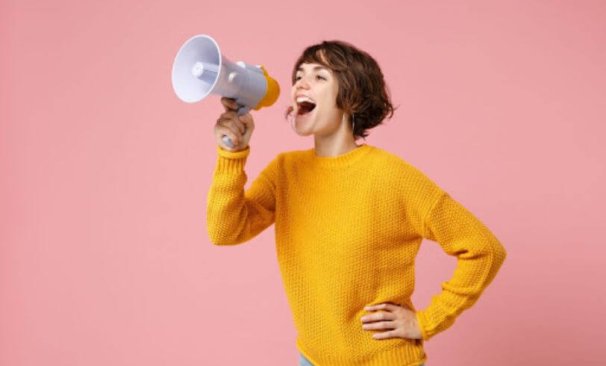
(314, 98)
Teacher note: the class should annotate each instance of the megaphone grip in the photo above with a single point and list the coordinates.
(243, 109)
(227, 141)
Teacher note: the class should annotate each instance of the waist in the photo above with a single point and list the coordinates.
(362, 352)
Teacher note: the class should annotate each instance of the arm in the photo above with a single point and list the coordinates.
(233, 215)
(479, 257)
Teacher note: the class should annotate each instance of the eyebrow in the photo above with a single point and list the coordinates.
(314, 68)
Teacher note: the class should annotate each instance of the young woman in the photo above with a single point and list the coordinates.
(349, 219)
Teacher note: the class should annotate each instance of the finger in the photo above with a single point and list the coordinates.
(386, 335)
(384, 306)
(241, 125)
(250, 127)
(229, 124)
(229, 104)
(380, 325)
(380, 316)
(232, 116)
(229, 114)
(232, 123)
(247, 120)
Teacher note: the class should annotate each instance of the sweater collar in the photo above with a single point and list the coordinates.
(339, 161)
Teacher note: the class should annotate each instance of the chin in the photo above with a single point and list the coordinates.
(304, 133)
(302, 128)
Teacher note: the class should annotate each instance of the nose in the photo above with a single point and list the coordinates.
(302, 83)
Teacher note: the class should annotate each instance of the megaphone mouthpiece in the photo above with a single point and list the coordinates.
(273, 91)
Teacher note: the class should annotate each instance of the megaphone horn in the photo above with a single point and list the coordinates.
(200, 69)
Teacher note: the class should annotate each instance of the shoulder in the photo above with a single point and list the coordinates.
(400, 171)
(288, 158)
(294, 155)
(388, 160)
(284, 161)
(382, 156)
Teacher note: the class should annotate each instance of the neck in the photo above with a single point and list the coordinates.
(337, 143)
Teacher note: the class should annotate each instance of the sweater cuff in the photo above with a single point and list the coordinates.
(231, 161)
(422, 321)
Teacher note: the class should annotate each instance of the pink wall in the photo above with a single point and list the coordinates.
(104, 257)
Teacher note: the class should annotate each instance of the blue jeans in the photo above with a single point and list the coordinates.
(305, 362)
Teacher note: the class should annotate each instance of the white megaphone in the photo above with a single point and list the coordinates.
(200, 69)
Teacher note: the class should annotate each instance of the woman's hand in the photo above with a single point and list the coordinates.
(397, 320)
(238, 128)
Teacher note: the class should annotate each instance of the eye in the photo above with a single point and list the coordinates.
(320, 77)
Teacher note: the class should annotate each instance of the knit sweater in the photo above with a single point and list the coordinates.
(347, 231)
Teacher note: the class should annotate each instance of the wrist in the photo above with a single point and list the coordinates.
(233, 154)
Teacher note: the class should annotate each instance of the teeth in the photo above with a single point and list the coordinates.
(304, 99)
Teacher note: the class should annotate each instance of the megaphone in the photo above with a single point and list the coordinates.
(199, 69)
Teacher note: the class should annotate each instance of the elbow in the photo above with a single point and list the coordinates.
(222, 242)
(218, 239)
(219, 234)
(220, 231)
(500, 252)
(497, 253)
(491, 250)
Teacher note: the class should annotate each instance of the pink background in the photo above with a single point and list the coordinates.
(104, 255)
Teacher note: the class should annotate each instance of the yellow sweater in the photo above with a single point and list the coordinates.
(347, 231)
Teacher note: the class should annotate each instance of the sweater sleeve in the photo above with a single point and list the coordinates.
(479, 257)
(233, 215)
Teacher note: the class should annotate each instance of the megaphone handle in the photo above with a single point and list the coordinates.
(227, 141)
(242, 109)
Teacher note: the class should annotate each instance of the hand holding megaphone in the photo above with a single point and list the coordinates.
(238, 128)
(199, 69)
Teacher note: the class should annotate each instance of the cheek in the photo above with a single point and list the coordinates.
(329, 99)
(335, 92)
(334, 104)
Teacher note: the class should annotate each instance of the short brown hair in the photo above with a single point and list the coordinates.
(362, 88)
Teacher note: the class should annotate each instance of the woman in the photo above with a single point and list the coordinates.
(349, 219)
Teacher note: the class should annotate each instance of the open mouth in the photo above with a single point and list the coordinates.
(305, 106)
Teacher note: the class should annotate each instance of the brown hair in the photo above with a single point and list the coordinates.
(363, 92)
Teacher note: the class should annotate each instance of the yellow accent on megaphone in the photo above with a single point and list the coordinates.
(272, 93)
